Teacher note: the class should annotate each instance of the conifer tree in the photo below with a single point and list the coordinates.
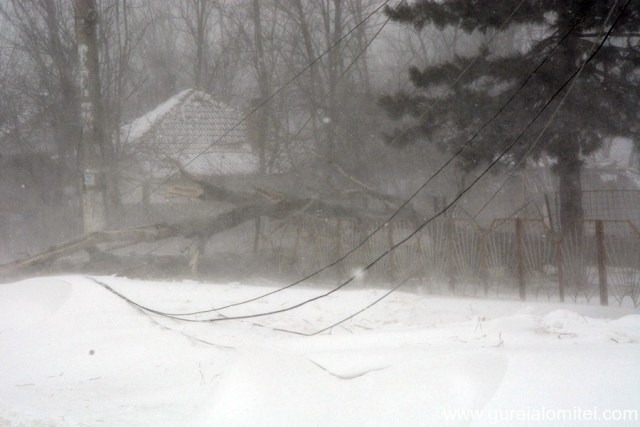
(602, 102)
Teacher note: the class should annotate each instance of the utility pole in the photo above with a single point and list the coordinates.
(93, 206)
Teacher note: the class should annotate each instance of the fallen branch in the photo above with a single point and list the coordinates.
(86, 241)
(246, 207)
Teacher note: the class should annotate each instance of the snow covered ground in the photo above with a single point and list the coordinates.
(74, 353)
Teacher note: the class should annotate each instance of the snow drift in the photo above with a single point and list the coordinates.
(73, 353)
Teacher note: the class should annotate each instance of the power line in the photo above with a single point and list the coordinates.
(499, 158)
(564, 98)
(309, 119)
(267, 100)
(406, 202)
(146, 313)
(574, 78)
(344, 73)
(425, 223)
(362, 310)
(144, 309)
(399, 208)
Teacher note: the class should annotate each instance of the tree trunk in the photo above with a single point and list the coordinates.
(570, 188)
(571, 217)
(264, 85)
(201, 21)
(262, 116)
(335, 68)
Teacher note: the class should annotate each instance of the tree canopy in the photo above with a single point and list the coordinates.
(543, 43)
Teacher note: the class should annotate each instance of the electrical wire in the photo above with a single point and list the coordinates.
(367, 307)
(263, 103)
(309, 119)
(406, 202)
(562, 101)
(423, 186)
(574, 78)
(571, 78)
(402, 241)
(462, 193)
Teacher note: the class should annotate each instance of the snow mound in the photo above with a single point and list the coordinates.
(66, 325)
(73, 353)
(269, 387)
(30, 302)
(565, 324)
(68, 336)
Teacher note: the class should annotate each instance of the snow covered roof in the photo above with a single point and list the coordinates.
(192, 128)
(616, 152)
(594, 177)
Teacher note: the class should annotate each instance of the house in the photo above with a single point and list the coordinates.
(610, 183)
(191, 129)
(610, 188)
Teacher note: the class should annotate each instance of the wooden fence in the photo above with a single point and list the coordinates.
(512, 257)
(519, 257)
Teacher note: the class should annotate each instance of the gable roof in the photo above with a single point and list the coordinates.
(593, 178)
(192, 128)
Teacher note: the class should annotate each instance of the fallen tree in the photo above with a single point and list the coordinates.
(86, 242)
(244, 207)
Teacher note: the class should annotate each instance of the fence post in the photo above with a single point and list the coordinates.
(602, 267)
(484, 263)
(451, 256)
(296, 254)
(342, 267)
(392, 258)
(520, 256)
(256, 237)
(560, 266)
(421, 254)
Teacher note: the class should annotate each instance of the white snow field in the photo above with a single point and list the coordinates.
(73, 353)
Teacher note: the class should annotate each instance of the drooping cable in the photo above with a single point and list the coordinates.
(407, 201)
(264, 102)
(573, 79)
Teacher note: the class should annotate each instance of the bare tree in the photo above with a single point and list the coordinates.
(44, 113)
(42, 34)
(120, 32)
(317, 122)
(196, 16)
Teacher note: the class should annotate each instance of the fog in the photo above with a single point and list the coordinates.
(287, 139)
(319, 212)
(303, 141)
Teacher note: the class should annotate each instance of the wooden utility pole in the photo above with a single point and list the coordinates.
(93, 207)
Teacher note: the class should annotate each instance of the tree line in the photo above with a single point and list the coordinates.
(426, 83)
